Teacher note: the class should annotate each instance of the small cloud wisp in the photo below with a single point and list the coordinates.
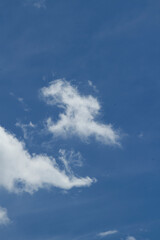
(104, 234)
(4, 219)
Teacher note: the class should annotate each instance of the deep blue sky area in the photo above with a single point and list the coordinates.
(115, 45)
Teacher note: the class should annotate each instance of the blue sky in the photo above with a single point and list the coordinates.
(80, 121)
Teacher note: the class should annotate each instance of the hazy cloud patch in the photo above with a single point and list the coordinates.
(4, 219)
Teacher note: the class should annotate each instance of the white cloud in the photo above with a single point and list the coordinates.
(104, 234)
(79, 116)
(3, 216)
(130, 238)
(21, 171)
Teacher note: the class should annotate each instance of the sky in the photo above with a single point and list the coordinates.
(80, 120)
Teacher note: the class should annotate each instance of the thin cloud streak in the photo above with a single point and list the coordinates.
(104, 234)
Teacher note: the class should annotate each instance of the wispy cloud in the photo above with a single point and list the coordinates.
(4, 219)
(140, 135)
(36, 3)
(90, 83)
(79, 114)
(21, 101)
(104, 234)
(40, 4)
(73, 159)
(130, 238)
(21, 171)
(25, 128)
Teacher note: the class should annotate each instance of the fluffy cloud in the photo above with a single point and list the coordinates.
(79, 114)
(21, 171)
(104, 234)
(3, 216)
